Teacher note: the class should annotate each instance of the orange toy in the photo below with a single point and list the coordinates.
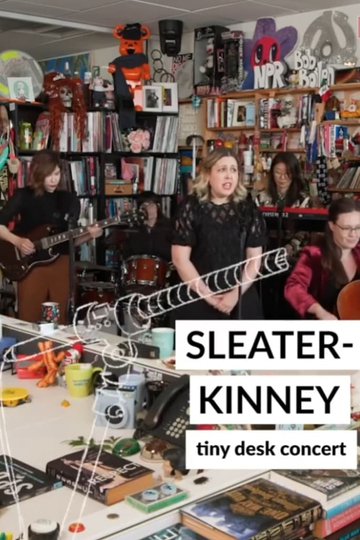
(131, 68)
(50, 361)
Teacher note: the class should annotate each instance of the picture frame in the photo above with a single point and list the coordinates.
(170, 97)
(152, 98)
(239, 115)
(21, 88)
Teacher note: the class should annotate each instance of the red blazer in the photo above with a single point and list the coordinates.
(307, 283)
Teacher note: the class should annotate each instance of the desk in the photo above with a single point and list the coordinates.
(94, 353)
(37, 432)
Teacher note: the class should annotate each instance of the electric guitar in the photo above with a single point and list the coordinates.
(16, 266)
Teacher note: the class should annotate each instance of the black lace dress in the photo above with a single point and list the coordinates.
(214, 233)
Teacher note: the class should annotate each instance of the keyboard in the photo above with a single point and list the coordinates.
(319, 214)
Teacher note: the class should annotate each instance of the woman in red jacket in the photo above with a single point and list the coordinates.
(322, 271)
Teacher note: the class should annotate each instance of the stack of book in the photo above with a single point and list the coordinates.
(338, 492)
(257, 510)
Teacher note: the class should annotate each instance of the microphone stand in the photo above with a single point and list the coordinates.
(71, 298)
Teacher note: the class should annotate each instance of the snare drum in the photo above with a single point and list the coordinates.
(145, 270)
(96, 291)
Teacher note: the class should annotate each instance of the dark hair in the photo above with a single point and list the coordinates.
(150, 196)
(176, 457)
(42, 165)
(293, 170)
(330, 252)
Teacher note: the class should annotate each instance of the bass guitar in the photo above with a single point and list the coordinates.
(16, 266)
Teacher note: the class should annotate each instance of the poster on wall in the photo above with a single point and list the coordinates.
(182, 70)
(267, 46)
(78, 63)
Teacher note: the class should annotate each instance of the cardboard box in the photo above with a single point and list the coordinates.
(118, 187)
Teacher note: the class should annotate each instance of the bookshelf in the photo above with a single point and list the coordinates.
(268, 139)
(84, 162)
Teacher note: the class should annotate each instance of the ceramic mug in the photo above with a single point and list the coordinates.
(50, 312)
(163, 338)
(80, 379)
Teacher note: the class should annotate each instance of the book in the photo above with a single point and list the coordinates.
(22, 480)
(322, 485)
(325, 527)
(175, 532)
(351, 531)
(105, 477)
(256, 510)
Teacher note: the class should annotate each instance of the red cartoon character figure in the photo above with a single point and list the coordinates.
(129, 70)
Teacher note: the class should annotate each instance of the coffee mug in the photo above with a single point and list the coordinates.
(80, 379)
(50, 312)
(164, 339)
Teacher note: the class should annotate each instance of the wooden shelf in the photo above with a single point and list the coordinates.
(343, 190)
(279, 130)
(276, 150)
(348, 86)
(234, 128)
(354, 122)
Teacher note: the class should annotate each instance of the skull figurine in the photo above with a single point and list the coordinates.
(66, 96)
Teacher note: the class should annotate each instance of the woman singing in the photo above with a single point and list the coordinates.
(43, 203)
(216, 227)
(322, 271)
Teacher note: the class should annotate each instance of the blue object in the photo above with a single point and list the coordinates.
(168, 489)
(5, 344)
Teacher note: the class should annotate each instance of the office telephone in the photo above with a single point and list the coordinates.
(169, 416)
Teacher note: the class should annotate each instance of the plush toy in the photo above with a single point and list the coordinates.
(288, 118)
(129, 70)
(208, 66)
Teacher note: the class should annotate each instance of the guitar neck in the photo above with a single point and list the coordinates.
(47, 242)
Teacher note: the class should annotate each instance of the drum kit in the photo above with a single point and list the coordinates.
(144, 274)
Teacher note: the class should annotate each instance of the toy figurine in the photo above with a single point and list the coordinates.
(102, 92)
(65, 94)
(174, 463)
(129, 70)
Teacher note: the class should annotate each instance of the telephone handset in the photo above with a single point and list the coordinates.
(169, 415)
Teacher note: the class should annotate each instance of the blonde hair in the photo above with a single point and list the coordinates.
(201, 186)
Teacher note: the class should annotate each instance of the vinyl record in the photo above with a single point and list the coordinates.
(19, 64)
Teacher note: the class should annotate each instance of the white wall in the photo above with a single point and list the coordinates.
(300, 21)
(102, 58)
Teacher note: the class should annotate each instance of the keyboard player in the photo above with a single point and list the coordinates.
(285, 189)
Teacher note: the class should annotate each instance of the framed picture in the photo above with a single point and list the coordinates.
(239, 116)
(152, 99)
(170, 99)
(21, 88)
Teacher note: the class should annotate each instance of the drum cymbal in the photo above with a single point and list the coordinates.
(85, 265)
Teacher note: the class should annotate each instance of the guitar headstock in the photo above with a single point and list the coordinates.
(132, 218)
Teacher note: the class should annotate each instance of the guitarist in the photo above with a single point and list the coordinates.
(43, 202)
(323, 270)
